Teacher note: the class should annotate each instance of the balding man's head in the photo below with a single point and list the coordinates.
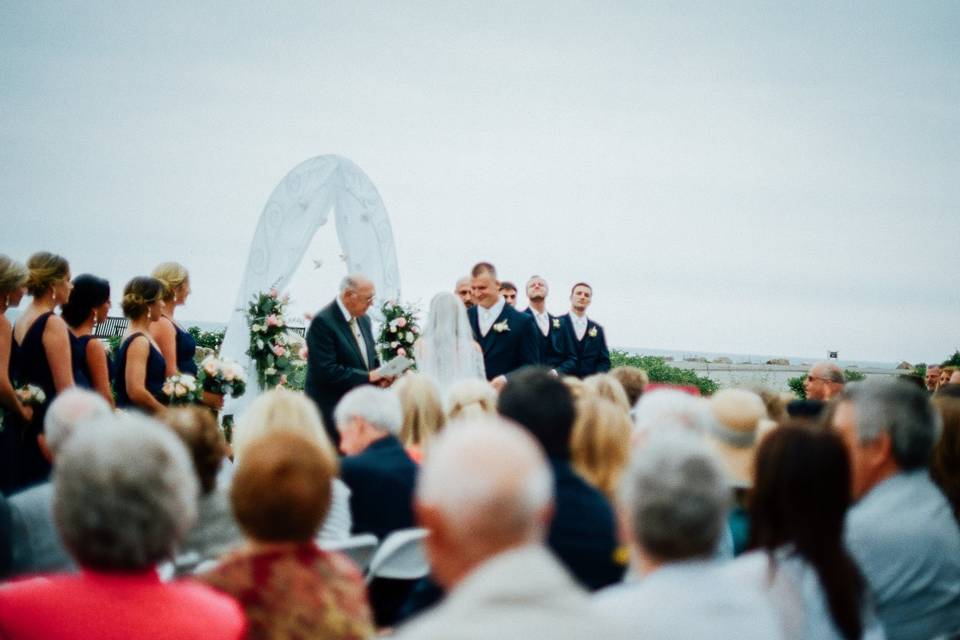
(823, 382)
(356, 293)
(485, 487)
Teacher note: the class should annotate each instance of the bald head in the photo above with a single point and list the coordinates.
(824, 381)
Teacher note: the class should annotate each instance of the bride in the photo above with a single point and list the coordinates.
(446, 351)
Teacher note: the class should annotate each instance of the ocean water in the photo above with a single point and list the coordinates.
(749, 358)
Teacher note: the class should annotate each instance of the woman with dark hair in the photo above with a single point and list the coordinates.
(89, 304)
(140, 367)
(800, 499)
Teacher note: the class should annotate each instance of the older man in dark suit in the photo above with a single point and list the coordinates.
(587, 337)
(341, 353)
(507, 337)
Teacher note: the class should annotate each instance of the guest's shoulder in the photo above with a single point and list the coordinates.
(205, 601)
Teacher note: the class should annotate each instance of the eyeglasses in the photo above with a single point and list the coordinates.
(812, 378)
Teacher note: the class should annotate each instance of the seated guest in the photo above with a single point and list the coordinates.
(378, 471)
(945, 462)
(673, 507)
(901, 531)
(800, 498)
(633, 380)
(600, 443)
(471, 399)
(607, 386)
(485, 496)
(583, 531)
(422, 413)
(37, 547)
(283, 410)
(287, 585)
(124, 495)
(89, 303)
(215, 532)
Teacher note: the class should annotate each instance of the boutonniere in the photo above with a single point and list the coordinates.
(500, 327)
(556, 323)
(592, 333)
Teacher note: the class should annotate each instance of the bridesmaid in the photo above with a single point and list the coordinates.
(44, 342)
(141, 368)
(177, 345)
(89, 304)
(13, 414)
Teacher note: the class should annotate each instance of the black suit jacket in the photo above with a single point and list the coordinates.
(592, 354)
(334, 363)
(509, 350)
(381, 480)
(556, 349)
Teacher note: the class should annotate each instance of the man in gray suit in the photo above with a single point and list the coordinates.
(36, 544)
(485, 494)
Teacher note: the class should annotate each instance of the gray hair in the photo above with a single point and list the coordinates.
(670, 410)
(125, 493)
(675, 497)
(488, 478)
(379, 407)
(351, 282)
(900, 409)
(68, 411)
(829, 370)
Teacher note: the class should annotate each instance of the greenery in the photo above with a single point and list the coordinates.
(269, 346)
(796, 384)
(208, 339)
(954, 360)
(659, 370)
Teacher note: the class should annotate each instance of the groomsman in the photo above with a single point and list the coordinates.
(556, 347)
(509, 292)
(464, 292)
(589, 343)
(508, 338)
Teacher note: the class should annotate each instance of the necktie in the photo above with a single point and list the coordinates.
(359, 338)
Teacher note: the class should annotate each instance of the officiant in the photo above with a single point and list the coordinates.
(341, 353)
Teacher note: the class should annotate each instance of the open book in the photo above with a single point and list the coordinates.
(395, 367)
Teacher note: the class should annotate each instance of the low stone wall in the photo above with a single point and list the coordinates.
(768, 375)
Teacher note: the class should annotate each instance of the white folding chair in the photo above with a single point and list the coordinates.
(400, 557)
(358, 548)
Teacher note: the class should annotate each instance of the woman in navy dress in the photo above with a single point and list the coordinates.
(89, 304)
(13, 413)
(176, 344)
(141, 368)
(45, 357)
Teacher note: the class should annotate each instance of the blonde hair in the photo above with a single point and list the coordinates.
(423, 415)
(576, 387)
(45, 270)
(471, 399)
(600, 443)
(13, 275)
(172, 275)
(633, 379)
(607, 386)
(280, 410)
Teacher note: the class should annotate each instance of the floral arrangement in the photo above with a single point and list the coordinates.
(222, 376)
(31, 395)
(270, 348)
(181, 388)
(398, 332)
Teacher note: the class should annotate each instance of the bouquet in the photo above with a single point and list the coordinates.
(31, 395)
(222, 376)
(181, 388)
(398, 332)
(270, 347)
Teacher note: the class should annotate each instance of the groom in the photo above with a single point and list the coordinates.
(508, 338)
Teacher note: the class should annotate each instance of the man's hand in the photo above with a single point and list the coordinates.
(379, 379)
(499, 383)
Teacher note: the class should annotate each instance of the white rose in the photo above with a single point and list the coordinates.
(167, 388)
(269, 371)
(394, 344)
(179, 389)
(410, 337)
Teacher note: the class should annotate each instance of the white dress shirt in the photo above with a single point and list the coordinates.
(543, 320)
(355, 328)
(487, 317)
(579, 324)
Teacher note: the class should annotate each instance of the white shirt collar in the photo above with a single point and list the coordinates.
(487, 317)
(343, 310)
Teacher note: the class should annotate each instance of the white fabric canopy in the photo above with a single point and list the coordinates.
(297, 208)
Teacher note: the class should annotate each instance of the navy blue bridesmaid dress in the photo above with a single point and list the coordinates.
(11, 431)
(156, 373)
(186, 349)
(35, 370)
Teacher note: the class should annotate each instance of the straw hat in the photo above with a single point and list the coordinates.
(739, 416)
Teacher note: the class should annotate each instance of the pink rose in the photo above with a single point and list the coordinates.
(401, 322)
(303, 353)
(272, 320)
(401, 351)
(279, 351)
(283, 379)
(274, 293)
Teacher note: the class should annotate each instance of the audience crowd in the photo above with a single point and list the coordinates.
(550, 501)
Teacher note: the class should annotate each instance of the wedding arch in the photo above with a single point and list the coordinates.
(296, 209)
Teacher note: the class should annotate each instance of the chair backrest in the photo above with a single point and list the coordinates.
(400, 557)
(358, 548)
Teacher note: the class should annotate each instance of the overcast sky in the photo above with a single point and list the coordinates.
(732, 177)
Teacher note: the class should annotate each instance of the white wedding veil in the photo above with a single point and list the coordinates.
(446, 351)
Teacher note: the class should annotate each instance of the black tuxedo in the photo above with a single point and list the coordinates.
(511, 349)
(557, 351)
(381, 480)
(592, 354)
(334, 363)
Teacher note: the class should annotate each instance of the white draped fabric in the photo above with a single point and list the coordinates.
(297, 208)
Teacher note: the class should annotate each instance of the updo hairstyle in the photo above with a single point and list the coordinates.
(44, 270)
(139, 293)
(172, 275)
(89, 292)
(13, 275)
